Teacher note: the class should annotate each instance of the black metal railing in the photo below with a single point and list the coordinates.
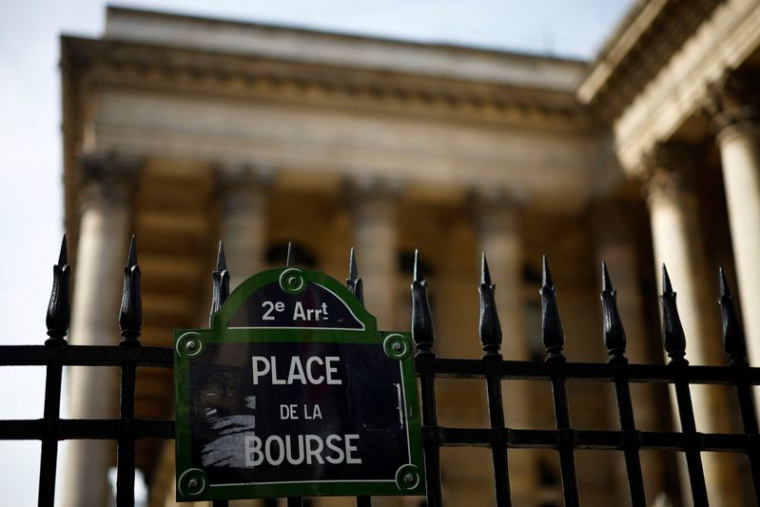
(565, 439)
(130, 355)
(56, 353)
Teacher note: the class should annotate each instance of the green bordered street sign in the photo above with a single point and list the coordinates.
(294, 392)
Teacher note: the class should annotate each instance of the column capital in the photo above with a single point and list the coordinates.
(497, 197)
(496, 208)
(108, 179)
(733, 100)
(369, 196)
(376, 187)
(241, 186)
(668, 170)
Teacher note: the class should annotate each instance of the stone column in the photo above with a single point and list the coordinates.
(676, 238)
(101, 256)
(376, 245)
(244, 196)
(498, 223)
(735, 108)
(373, 204)
(615, 245)
(243, 192)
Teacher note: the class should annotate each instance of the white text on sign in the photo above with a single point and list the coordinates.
(315, 370)
(290, 412)
(299, 312)
(297, 449)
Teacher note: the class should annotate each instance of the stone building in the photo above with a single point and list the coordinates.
(185, 130)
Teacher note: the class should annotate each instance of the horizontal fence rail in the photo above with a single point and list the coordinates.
(129, 355)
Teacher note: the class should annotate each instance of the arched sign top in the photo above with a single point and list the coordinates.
(293, 299)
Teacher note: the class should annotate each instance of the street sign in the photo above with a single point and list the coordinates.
(293, 392)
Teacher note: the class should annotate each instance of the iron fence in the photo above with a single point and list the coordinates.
(129, 355)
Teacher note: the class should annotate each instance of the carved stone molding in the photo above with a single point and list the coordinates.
(373, 199)
(242, 187)
(108, 179)
(374, 188)
(734, 100)
(496, 209)
(642, 46)
(116, 63)
(669, 170)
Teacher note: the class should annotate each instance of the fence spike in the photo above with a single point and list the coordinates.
(58, 315)
(614, 332)
(130, 315)
(672, 331)
(132, 255)
(354, 281)
(423, 328)
(220, 281)
(552, 334)
(733, 334)
(290, 257)
(490, 327)
(667, 286)
(63, 256)
(221, 258)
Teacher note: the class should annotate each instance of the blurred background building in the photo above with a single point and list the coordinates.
(185, 130)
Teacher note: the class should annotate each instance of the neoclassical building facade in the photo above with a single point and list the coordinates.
(186, 130)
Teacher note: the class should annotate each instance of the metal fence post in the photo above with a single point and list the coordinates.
(554, 339)
(58, 319)
(490, 338)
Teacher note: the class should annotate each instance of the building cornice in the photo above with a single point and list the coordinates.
(340, 49)
(128, 64)
(674, 99)
(636, 52)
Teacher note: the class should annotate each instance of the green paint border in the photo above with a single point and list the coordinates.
(219, 333)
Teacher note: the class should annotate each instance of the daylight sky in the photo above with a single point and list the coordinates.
(30, 140)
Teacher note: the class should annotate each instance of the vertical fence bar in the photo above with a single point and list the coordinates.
(125, 479)
(675, 346)
(615, 342)
(566, 450)
(364, 501)
(553, 338)
(423, 333)
(746, 400)
(356, 286)
(220, 290)
(57, 320)
(693, 458)
(490, 338)
(631, 450)
(735, 346)
(130, 321)
(290, 259)
(49, 452)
